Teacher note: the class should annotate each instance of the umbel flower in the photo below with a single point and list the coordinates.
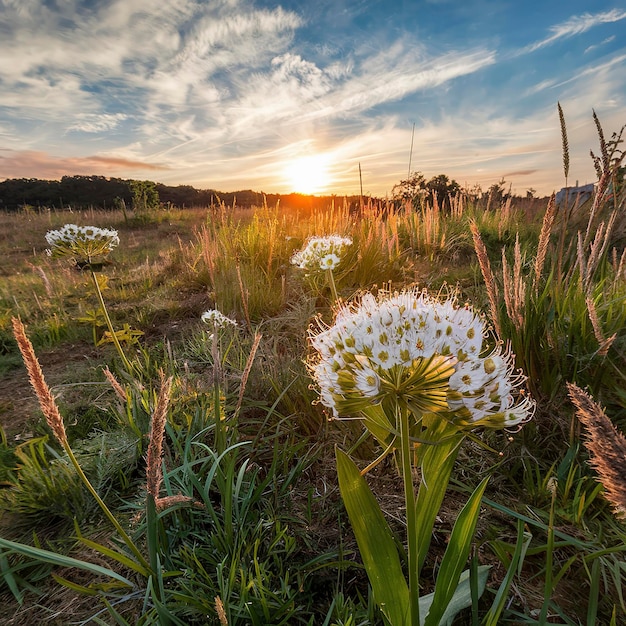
(83, 243)
(321, 253)
(419, 353)
(217, 319)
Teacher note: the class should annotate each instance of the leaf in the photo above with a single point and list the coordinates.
(497, 606)
(462, 597)
(376, 545)
(61, 560)
(436, 461)
(455, 556)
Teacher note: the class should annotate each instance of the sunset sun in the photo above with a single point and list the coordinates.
(308, 175)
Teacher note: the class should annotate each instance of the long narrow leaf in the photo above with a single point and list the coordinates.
(523, 541)
(375, 541)
(455, 556)
(462, 597)
(436, 462)
(61, 560)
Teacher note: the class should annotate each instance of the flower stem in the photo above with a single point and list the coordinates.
(411, 521)
(220, 431)
(127, 365)
(333, 287)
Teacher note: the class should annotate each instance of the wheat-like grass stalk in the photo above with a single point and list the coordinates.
(154, 469)
(42, 391)
(605, 343)
(119, 390)
(246, 372)
(564, 142)
(490, 281)
(221, 613)
(606, 446)
(514, 287)
(245, 295)
(544, 240)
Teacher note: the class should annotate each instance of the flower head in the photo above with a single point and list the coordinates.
(84, 243)
(216, 319)
(424, 353)
(321, 253)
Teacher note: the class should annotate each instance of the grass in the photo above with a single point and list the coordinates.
(255, 532)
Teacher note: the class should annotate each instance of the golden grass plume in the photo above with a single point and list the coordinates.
(42, 391)
(606, 446)
(490, 281)
(154, 470)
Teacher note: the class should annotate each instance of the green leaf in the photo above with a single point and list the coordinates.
(376, 545)
(61, 560)
(455, 556)
(436, 461)
(462, 597)
(497, 606)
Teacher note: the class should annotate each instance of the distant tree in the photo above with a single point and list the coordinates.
(442, 188)
(409, 190)
(530, 193)
(497, 193)
(145, 196)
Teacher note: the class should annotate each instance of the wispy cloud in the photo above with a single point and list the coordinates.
(575, 25)
(97, 123)
(34, 164)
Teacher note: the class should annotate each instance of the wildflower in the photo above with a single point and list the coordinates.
(321, 253)
(423, 353)
(83, 243)
(217, 319)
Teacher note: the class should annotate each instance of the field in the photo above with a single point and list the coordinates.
(191, 473)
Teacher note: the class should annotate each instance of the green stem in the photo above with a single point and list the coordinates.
(411, 521)
(127, 365)
(220, 435)
(105, 509)
(547, 592)
(333, 287)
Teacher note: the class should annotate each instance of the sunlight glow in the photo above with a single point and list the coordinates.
(308, 175)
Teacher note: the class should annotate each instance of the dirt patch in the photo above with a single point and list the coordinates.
(18, 404)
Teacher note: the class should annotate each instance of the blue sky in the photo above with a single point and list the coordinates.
(294, 96)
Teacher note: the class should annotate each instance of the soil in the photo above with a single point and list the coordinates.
(18, 403)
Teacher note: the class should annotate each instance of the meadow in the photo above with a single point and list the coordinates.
(181, 468)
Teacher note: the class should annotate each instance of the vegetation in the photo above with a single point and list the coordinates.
(178, 468)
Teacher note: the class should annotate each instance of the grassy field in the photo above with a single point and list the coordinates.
(193, 478)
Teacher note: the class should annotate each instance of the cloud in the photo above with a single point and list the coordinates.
(575, 25)
(97, 123)
(34, 164)
(598, 45)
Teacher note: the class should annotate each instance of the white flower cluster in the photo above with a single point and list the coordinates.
(321, 253)
(216, 319)
(83, 242)
(422, 351)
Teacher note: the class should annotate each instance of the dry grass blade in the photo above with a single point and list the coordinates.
(606, 446)
(44, 395)
(154, 470)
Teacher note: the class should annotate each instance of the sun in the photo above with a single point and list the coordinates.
(309, 174)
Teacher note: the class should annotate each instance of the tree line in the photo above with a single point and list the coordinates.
(100, 192)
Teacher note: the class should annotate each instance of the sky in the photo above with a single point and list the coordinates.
(324, 97)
